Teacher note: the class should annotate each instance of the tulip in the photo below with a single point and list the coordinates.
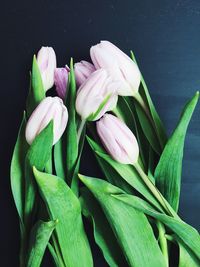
(96, 96)
(120, 66)
(83, 70)
(46, 59)
(122, 146)
(118, 139)
(51, 108)
(61, 80)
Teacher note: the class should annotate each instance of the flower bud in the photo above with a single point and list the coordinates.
(118, 139)
(83, 70)
(96, 96)
(120, 66)
(51, 108)
(61, 80)
(46, 59)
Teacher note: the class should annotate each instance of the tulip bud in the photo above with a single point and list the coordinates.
(61, 80)
(122, 69)
(118, 139)
(96, 96)
(46, 59)
(51, 108)
(83, 70)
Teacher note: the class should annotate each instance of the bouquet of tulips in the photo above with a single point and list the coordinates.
(133, 207)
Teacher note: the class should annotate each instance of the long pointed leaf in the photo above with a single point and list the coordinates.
(64, 205)
(75, 180)
(189, 236)
(186, 257)
(71, 130)
(130, 226)
(169, 168)
(40, 235)
(17, 170)
(38, 155)
(59, 159)
(36, 91)
(103, 234)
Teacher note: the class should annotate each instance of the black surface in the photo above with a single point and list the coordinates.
(165, 36)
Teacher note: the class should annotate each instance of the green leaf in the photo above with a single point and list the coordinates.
(65, 206)
(125, 113)
(103, 234)
(39, 239)
(151, 166)
(17, 170)
(130, 226)
(113, 176)
(143, 90)
(59, 161)
(186, 257)
(127, 172)
(148, 128)
(38, 156)
(71, 130)
(75, 180)
(169, 168)
(188, 235)
(36, 91)
(40, 150)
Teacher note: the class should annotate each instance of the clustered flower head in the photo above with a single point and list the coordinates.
(111, 73)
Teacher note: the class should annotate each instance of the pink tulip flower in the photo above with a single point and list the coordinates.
(61, 80)
(83, 70)
(51, 108)
(118, 139)
(96, 96)
(46, 59)
(122, 69)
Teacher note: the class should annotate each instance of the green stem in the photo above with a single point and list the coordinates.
(163, 242)
(117, 113)
(80, 129)
(144, 106)
(22, 252)
(155, 192)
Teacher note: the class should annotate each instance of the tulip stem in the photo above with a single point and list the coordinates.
(155, 192)
(140, 101)
(80, 129)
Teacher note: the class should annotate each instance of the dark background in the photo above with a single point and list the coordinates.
(165, 36)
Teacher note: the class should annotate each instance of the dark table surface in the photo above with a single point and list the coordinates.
(165, 36)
